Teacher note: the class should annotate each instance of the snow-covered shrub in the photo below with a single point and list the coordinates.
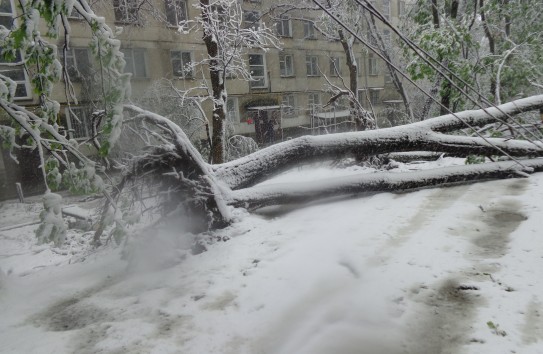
(52, 227)
(82, 180)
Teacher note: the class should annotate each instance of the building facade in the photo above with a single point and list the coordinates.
(286, 98)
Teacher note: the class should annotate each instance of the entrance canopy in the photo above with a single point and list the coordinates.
(332, 115)
(263, 108)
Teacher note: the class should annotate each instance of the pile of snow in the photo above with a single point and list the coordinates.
(434, 271)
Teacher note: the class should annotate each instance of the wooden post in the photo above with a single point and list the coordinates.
(19, 192)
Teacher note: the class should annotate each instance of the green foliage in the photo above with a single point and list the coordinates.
(474, 159)
(82, 180)
(495, 328)
(54, 178)
(462, 45)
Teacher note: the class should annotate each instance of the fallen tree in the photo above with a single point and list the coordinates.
(210, 191)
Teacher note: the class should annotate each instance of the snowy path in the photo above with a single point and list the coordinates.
(421, 272)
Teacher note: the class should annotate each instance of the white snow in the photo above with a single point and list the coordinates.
(420, 272)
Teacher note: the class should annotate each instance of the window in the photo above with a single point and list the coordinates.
(251, 19)
(359, 66)
(335, 67)
(176, 11)
(232, 110)
(309, 29)
(372, 65)
(13, 68)
(78, 63)
(312, 65)
(313, 100)
(135, 62)
(388, 77)
(79, 122)
(386, 9)
(284, 28)
(361, 96)
(75, 15)
(386, 37)
(374, 97)
(126, 11)
(401, 8)
(257, 68)
(6, 14)
(372, 40)
(288, 104)
(182, 64)
(286, 65)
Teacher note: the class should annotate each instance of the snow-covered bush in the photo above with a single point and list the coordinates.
(52, 227)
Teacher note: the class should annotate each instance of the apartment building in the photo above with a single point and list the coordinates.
(287, 97)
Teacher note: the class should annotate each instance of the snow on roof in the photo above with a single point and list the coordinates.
(331, 115)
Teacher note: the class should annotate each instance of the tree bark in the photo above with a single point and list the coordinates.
(491, 46)
(260, 196)
(424, 135)
(360, 118)
(218, 90)
(206, 191)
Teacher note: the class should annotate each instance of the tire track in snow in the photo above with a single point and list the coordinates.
(434, 204)
(447, 308)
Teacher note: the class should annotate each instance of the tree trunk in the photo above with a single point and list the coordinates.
(421, 136)
(359, 117)
(491, 47)
(260, 196)
(218, 90)
(205, 191)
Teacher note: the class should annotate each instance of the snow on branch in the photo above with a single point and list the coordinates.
(421, 136)
(283, 193)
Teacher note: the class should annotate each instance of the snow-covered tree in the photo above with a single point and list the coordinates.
(180, 179)
(229, 32)
(25, 48)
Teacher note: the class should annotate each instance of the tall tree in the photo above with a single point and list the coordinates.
(228, 33)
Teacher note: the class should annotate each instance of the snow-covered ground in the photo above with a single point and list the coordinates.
(446, 270)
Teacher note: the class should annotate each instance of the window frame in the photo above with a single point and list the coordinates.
(235, 111)
(335, 66)
(309, 29)
(374, 96)
(359, 65)
(143, 52)
(85, 121)
(185, 73)
(251, 24)
(283, 23)
(387, 37)
(401, 8)
(73, 57)
(171, 9)
(75, 15)
(361, 96)
(283, 67)
(126, 9)
(288, 109)
(16, 66)
(252, 83)
(312, 65)
(311, 100)
(385, 5)
(373, 69)
(11, 14)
